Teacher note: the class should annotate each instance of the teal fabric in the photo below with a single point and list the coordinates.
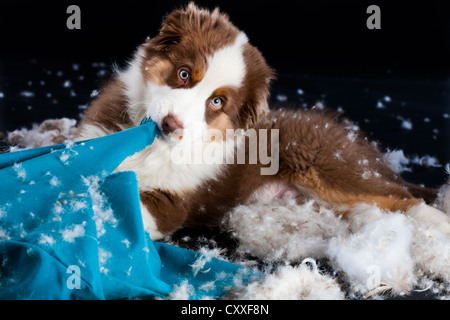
(70, 228)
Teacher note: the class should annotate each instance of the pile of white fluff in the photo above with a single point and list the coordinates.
(372, 252)
(47, 133)
(292, 283)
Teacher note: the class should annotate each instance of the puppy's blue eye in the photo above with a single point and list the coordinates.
(216, 103)
(183, 74)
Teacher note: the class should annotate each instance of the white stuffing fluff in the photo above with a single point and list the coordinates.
(49, 132)
(292, 283)
(397, 160)
(378, 253)
(73, 232)
(183, 291)
(205, 256)
(431, 251)
(103, 214)
(372, 248)
(283, 229)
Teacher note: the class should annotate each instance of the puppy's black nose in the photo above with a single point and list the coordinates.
(170, 124)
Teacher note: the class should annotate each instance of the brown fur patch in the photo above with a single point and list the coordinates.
(168, 209)
(156, 70)
(334, 161)
(221, 122)
(255, 89)
(109, 110)
(194, 30)
(197, 74)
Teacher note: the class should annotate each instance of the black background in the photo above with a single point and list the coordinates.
(302, 36)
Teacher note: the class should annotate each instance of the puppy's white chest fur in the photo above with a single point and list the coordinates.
(157, 168)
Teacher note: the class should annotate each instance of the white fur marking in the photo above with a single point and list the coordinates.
(155, 169)
(150, 224)
(89, 131)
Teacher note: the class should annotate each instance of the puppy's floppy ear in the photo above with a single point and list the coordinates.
(257, 87)
(171, 31)
(177, 24)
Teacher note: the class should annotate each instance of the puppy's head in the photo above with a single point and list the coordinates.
(201, 73)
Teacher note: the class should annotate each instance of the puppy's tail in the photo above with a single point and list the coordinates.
(429, 195)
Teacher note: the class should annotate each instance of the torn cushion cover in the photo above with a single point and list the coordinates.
(72, 229)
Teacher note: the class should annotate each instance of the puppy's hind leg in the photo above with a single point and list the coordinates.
(163, 212)
(150, 224)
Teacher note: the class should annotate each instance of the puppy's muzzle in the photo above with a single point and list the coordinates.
(170, 124)
(172, 127)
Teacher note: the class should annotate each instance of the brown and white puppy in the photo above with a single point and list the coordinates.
(201, 81)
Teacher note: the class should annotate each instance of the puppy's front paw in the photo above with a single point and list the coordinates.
(150, 224)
